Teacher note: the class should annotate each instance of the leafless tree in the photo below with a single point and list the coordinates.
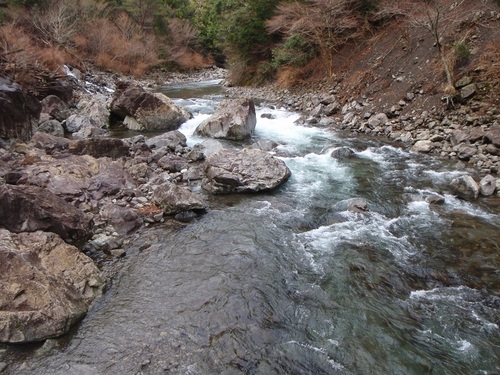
(326, 24)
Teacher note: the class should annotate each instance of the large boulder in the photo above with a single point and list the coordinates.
(19, 111)
(78, 177)
(142, 110)
(31, 208)
(234, 120)
(246, 171)
(173, 199)
(465, 187)
(47, 286)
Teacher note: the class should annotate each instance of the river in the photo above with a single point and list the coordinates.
(292, 282)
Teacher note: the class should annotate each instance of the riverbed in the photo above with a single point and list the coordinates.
(293, 282)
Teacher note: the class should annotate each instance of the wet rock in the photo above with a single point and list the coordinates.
(174, 199)
(435, 199)
(31, 208)
(358, 205)
(487, 185)
(465, 187)
(342, 153)
(55, 107)
(424, 146)
(47, 286)
(234, 120)
(19, 111)
(146, 111)
(246, 171)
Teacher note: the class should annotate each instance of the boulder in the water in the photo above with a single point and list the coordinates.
(246, 171)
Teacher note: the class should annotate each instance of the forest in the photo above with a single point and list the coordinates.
(259, 40)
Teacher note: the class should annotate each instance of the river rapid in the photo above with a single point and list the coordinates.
(292, 282)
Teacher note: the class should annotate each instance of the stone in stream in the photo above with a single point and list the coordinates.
(47, 286)
(465, 187)
(342, 153)
(358, 205)
(234, 119)
(175, 199)
(246, 171)
(487, 185)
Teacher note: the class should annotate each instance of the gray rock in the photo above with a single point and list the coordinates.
(245, 171)
(47, 286)
(435, 199)
(171, 140)
(342, 153)
(465, 152)
(378, 119)
(358, 205)
(462, 82)
(487, 185)
(234, 120)
(423, 146)
(123, 220)
(468, 91)
(52, 127)
(465, 187)
(55, 107)
(173, 199)
(146, 111)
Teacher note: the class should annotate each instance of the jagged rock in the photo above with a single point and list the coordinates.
(234, 120)
(55, 107)
(487, 185)
(52, 127)
(19, 111)
(435, 199)
(465, 187)
(462, 82)
(246, 171)
(146, 111)
(171, 140)
(31, 208)
(47, 286)
(175, 199)
(423, 146)
(493, 135)
(342, 153)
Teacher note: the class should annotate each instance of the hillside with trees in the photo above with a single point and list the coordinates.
(259, 41)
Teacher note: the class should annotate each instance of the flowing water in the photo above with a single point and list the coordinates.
(292, 282)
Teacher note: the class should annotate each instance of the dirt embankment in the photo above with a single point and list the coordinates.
(397, 72)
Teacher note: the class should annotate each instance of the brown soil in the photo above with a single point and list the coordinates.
(401, 58)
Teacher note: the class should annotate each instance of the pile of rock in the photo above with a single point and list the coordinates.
(89, 191)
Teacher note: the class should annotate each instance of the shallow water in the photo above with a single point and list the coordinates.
(291, 282)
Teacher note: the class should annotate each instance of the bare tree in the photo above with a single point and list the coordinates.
(57, 24)
(326, 24)
(438, 17)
